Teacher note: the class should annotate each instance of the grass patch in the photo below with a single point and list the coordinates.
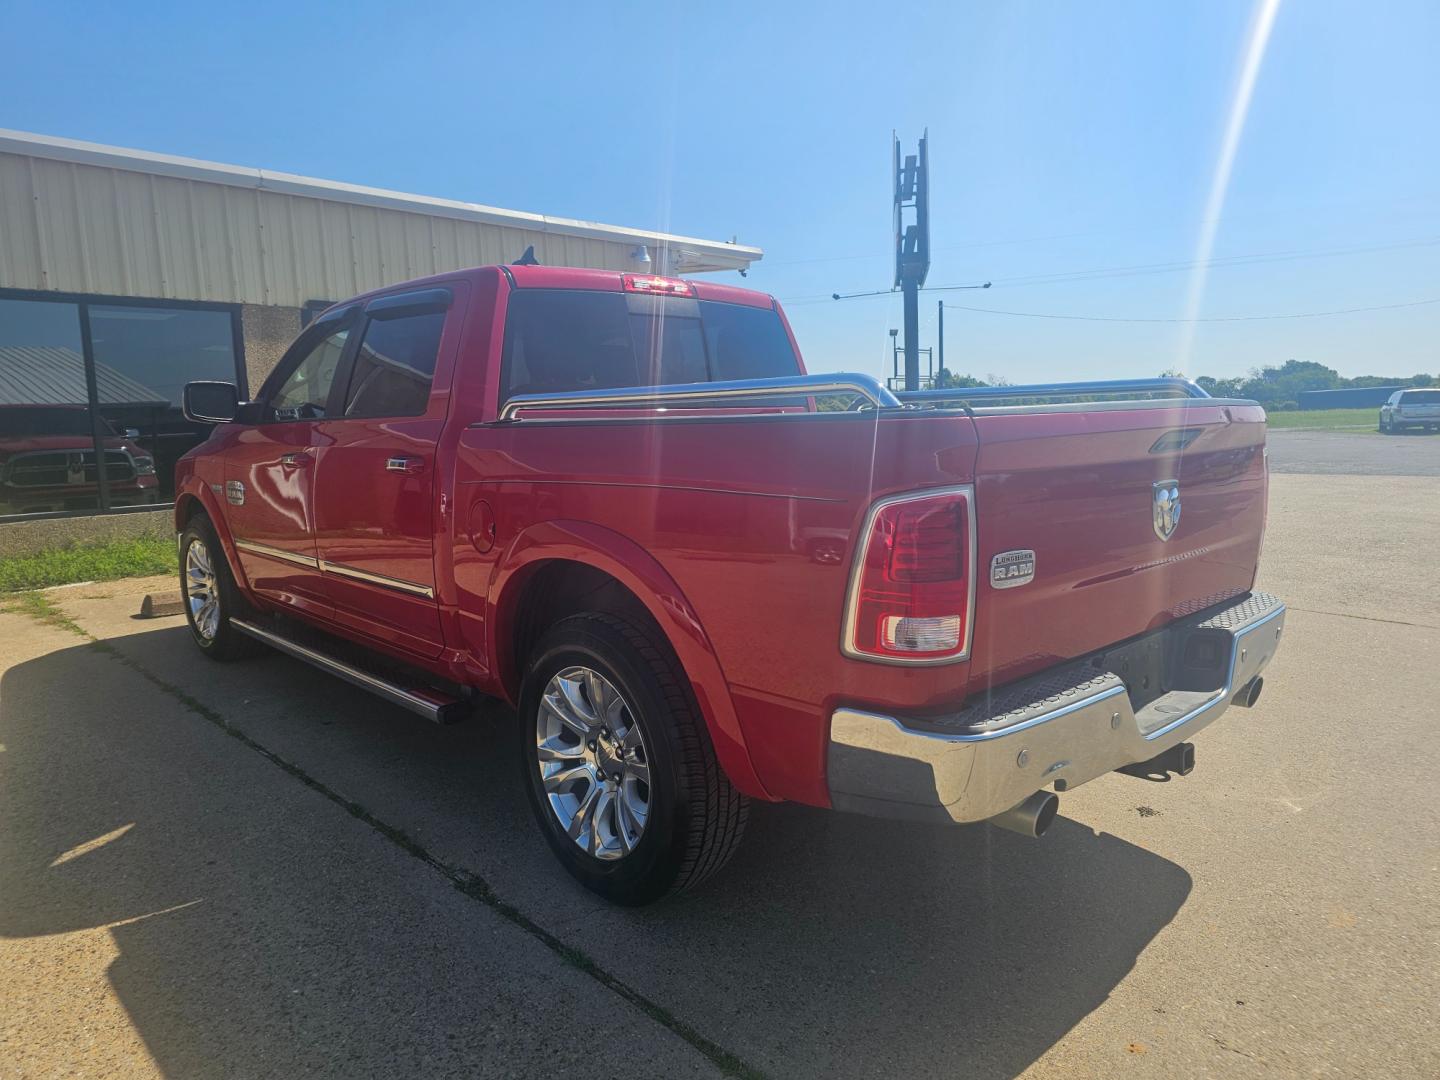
(89, 562)
(1325, 419)
(39, 607)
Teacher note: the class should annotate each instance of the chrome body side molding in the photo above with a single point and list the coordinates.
(277, 553)
(398, 584)
(411, 588)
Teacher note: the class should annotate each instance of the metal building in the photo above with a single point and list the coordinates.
(127, 268)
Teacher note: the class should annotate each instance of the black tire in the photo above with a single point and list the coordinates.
(226, 643)
(695, 817)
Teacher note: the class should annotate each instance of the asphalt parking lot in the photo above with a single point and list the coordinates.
(255, 870)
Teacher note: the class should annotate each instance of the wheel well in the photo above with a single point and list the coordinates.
(186, 508)
(554, 590)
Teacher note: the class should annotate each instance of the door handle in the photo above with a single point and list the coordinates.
(294, 461)
(410, 465)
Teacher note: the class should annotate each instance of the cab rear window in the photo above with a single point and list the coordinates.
(558, 340)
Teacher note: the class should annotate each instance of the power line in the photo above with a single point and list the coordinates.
(1147, 269)
(889, 292)
(1202, 319)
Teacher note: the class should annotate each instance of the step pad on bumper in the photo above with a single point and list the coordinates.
(1187, 662)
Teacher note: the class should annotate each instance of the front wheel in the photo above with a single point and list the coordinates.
(210, 595)
(619, 767)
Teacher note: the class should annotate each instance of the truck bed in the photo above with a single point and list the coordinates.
(754, 515)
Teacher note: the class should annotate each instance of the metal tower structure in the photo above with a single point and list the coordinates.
(912, 243)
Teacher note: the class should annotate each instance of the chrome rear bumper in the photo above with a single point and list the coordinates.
(1065, 726)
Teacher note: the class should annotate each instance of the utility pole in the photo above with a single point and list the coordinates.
(942, 334)
(912, 244)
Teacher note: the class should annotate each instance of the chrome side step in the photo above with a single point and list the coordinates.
(431, 704)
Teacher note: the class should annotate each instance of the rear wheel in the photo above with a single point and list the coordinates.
(619, 767)
(210, 595)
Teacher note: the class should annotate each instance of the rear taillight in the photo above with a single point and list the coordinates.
(660, 286)
(911, 592)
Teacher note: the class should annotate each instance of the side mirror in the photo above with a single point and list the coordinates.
(211, 402)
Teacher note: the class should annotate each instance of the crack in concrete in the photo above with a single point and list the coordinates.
(1226, 1046)
(1365, 618)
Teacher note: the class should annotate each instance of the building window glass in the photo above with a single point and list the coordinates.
(47, 439)
(144, 356)
(56, 454)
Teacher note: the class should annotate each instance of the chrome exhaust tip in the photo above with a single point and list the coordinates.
(1249, 694)
(1031, 817)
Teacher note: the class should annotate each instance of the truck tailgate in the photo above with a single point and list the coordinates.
(1077, 487)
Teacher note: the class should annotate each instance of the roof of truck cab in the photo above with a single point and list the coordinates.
(566, 277)
(574, 277)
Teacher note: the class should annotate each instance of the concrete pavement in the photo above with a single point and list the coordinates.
(368, 895)
(1355, 453)
(176, 903)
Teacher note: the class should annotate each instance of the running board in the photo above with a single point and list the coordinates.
(431, 704)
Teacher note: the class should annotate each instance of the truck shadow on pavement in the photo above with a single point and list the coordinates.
(831, 946)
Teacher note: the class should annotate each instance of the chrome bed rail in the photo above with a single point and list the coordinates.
(697, 394)
(1173, 387)
(871, 394)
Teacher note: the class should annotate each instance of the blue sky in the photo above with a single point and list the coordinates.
(1071, 144)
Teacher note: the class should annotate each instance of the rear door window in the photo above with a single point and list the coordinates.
(395, 366)
(559, 340)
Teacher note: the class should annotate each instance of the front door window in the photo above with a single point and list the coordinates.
(306, 390)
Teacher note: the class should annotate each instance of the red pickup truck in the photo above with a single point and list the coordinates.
(702, 576)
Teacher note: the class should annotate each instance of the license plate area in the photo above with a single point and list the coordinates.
(1142, 665)
(1189, 659)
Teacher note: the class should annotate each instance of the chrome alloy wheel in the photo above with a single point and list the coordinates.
(594, 766)
(202, 591)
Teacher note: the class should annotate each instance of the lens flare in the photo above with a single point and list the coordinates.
(1261, 22)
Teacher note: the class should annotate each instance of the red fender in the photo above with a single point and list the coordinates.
(210, 501)
(638, 571)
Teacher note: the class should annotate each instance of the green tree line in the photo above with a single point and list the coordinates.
(1280, 387)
